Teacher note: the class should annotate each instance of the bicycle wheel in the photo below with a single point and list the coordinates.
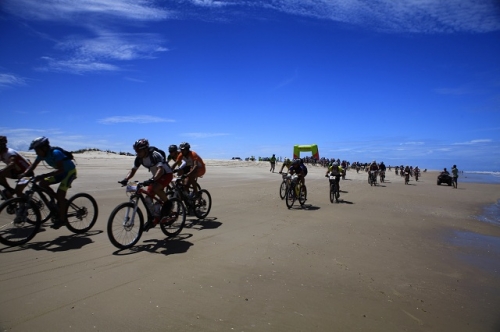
(302, 195)
(19, 221)
(123, 231)
(82, 212)
(332, 192)
(174, 227)
(45, 213)
(290, 197)
(283, 189)
(202, 204)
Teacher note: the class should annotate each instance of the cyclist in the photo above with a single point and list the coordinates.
(16, 164)
(162, 175)
(335, 170)
(191, 165)
(64, 173)
(286, 163)
(373, 167)
(173, 152)
(300, 169)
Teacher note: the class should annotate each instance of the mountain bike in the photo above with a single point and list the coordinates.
(382, 176)
(284, 185)
(334, 188)
(126, 222)
(295, 191)
(21, 217)
(199, 203)
(372, 178)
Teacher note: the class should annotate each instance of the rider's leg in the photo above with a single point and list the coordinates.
(3, 181)
(158, 188)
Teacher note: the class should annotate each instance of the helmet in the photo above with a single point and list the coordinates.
(3, 140)
(335, 164)
(296, 161)
(184, 145)
(39, 142)
(374, 162)
(140, 144)
(172, 148)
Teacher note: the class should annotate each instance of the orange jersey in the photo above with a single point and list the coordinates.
(190, 160)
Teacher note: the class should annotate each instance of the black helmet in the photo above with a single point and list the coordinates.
(140, 144)
(3, 140)
(39, 142)
(184, 145)
(172, 148)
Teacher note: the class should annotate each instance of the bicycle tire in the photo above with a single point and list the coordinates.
(174, 227)
(290, 197)
(332, 193)
(81, 213)
(121, 232)
(16, 233)
(283, 189)
(202, 204)
(45, 213)
(302, 195)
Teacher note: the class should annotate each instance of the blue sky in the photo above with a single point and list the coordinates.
(407, 82)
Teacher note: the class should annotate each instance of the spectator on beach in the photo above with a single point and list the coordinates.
(454, 176)
(272, 160)
(16, 165)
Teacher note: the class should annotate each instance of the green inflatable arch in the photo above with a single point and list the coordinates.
(313, 148)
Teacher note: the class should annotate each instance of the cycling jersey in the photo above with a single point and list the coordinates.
(20, 163)
(54, 156)
(152, 162)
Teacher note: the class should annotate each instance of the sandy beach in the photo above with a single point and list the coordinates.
(393, 257)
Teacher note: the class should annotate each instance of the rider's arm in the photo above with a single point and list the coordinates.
(159, 172)
(31, 168)
(131, 173)
(10, 164)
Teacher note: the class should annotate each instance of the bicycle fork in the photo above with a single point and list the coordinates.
(128, 221)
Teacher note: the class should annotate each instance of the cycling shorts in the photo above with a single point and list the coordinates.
(65, 179)
(164, 181)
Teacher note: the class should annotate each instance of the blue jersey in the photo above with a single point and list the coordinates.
(54, 156)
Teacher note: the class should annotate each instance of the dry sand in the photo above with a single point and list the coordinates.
(389, 258)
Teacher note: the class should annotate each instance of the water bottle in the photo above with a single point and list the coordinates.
(157, 209)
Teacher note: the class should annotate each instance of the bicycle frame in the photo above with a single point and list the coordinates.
(43, 193)
(138, 194)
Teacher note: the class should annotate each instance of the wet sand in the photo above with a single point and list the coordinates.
(393, 257)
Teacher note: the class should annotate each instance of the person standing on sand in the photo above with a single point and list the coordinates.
(454, 176)
(272, 160)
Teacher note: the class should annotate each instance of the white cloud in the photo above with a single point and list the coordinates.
(416, 16)
(9, 80)
(210, 3)
(134, 119)
(96, 54)
(78, 12)
(412, 143)
(77, 66)
(474, 141)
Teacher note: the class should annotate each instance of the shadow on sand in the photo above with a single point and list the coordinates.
(167, 246)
